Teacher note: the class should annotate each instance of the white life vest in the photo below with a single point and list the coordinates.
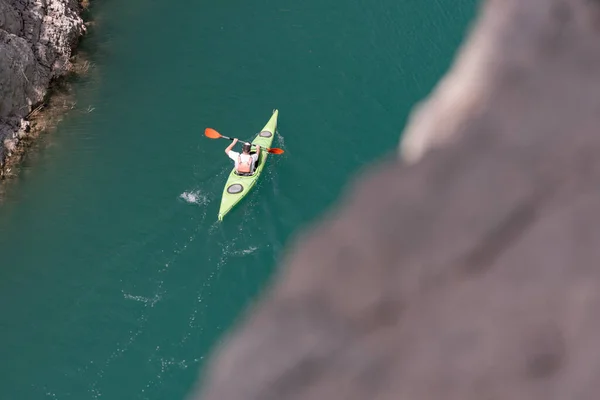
(246, 166)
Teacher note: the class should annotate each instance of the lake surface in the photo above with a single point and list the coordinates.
(116, 279)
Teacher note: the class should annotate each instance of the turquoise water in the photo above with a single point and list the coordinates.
(116, 278)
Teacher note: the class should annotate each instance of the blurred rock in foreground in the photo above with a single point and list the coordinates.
(469, 270)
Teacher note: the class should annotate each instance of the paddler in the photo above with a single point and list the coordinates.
(245, 162)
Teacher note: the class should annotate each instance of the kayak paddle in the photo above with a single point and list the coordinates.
(212, 134)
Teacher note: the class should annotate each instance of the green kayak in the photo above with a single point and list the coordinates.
(237, 187)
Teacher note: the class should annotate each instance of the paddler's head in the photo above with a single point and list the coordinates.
(246, 148)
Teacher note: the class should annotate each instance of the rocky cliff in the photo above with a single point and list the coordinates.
(469, 268)
(36, 41)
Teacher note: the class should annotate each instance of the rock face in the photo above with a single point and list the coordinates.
(468, 268)
(36, 40)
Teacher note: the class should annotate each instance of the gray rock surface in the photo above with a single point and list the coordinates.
(467, 269)
(36, 41)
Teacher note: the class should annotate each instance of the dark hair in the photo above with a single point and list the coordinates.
(246, 147)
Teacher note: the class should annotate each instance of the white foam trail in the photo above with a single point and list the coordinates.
(244, 252)
(249, 250)
(280, 139)
(194, 197)
(146, 300)
(166, 365)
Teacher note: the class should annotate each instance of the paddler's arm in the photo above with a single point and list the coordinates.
(257, 152)
(228, 149)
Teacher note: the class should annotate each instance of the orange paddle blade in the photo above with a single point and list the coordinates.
(211, 133)
(275, 151)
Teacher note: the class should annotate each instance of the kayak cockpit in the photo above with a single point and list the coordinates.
(256, 164)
